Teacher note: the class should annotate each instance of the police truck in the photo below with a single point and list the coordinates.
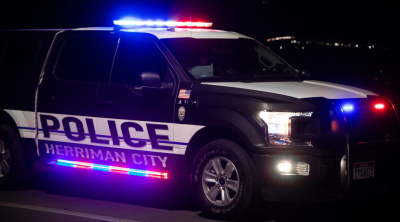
(166, 100)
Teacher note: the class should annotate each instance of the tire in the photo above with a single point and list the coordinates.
(13, 172)
(224, 181)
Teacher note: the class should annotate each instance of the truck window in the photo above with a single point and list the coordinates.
(229, 59)
(135, 56)
(22, 54)
(85, 59)
(18, 54)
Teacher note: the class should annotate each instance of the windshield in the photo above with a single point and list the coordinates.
(229, 60)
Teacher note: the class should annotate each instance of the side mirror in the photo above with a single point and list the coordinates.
(150, 79)
(305, 74)
(150, 82)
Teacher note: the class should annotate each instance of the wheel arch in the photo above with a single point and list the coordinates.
(5, 118)
(223, 123)
(207, 135)
(28, 152)
(17, 174)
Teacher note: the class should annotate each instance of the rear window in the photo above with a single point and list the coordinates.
(86, 59)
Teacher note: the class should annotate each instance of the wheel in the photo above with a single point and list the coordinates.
(224, 180)
(13, 173)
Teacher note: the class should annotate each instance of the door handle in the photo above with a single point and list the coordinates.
(106, 103)
(49, 98)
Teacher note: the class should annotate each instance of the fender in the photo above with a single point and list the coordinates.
(249, 128)
(248, 132)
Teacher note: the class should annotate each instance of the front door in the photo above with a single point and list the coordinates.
(92, 109)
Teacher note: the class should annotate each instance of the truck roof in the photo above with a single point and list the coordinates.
(163, 33)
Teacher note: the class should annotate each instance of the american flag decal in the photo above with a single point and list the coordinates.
(184, 94)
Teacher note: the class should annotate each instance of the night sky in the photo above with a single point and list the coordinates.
(329, 21)
(348, 21)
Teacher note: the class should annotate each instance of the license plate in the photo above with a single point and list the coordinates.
(363, 170)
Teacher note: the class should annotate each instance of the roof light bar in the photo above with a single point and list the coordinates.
(113, 169)
(128, 23)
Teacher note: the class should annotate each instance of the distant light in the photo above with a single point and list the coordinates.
(113, 169)
(279, 38)
(348, 108)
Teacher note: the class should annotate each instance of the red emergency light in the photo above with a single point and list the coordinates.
(379, 106)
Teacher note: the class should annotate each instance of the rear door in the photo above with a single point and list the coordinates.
(79, 62)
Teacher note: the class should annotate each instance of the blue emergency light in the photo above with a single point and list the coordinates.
(131, 23)
(348, 107)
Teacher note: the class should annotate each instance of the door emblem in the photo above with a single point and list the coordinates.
(181, 113)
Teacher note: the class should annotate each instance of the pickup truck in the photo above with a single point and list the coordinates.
(182, 100)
